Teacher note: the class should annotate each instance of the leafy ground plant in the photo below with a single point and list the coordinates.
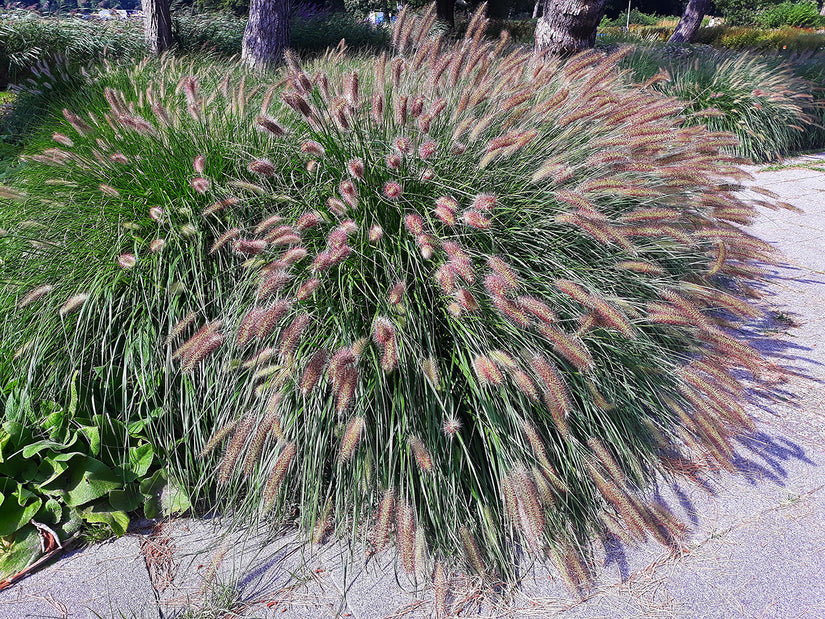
(458, 298)
(61, 471)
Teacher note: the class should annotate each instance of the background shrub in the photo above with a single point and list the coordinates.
(220, 33)
(463, 299)
(762, 101)
(316, 34)
(798, 14)
(28, 39)
(637, 18)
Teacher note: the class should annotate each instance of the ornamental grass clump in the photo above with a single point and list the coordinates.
(761, 101)
(458, 299)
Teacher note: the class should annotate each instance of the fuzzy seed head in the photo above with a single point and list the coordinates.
(502, 269)
(156, 213)
(200, 184)
(376, 232)
(414, 224)
(313, 371)
(445, 215)
(384, 520)
(417, 106)
(497, 286)
(466, 299)
(403, 145)
(292, 335)
(73, 304)
(109, 190)
(486, 371)
(65, 140)
(427, 149)
(537, 309)
(349, 193)
(405, 528)
(311, 147)
(445, 276)
(384, 331)
(35, 294)
(307, 221)
(471, 550)
(451, 426)
(249, 247)
(233, 451)
(392, 190)
(308, 289)
(484, 202)
(270, 125)
(336, 206)
(352, 435)
(355, 167)
(420, 453)
(397, 293)
(262, 167)
(475, 219)
(126, 261)
(279, 472)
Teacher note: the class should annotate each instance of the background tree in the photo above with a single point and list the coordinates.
(445, 12)
(157, 25)
(568, 26)
(691, 20)
(267, 33)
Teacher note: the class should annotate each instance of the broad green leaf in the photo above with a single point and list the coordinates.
(152, 507)
(175, 500)
(35, 448)
(140, 459)
(53, 466)
(91, 481)
(154, 484)
(23, 548)
(92, 433)
(126, 500)
(18, 506)
(136, 427)
(17, 431)
(51, 513)
(102, 512)
(20, 468)
(73, 396)
(54, 419)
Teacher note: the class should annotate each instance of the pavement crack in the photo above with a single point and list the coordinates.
(158, 555)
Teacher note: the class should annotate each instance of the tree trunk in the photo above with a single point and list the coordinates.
(267, 33)
(691, 20)
(536, 8)
(157, 25)
(445, 12)
(568, 26)
(822, 11)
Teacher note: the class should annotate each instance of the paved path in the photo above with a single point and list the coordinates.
(756, 548)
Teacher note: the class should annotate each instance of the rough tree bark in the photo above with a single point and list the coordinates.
(157, 25)
(691, 20)
(445, 12)
(267, 33)
(568, 26)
